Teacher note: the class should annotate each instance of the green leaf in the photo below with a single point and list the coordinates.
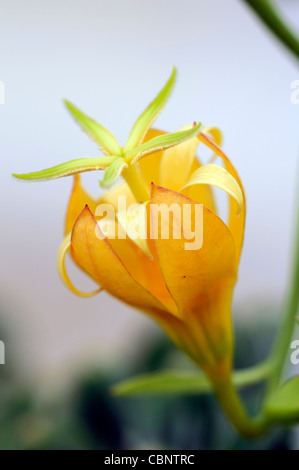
(146, 119)
(95, 131)
(161, 142)
(72, 167)
(182, 382)
(113, 172)
(297, 320)
(283, 404)
(161, 383)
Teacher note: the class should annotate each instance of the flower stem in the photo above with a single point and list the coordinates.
(136, 183)
(253, 375)
(233, 407)
(272, 18)
(285, 333)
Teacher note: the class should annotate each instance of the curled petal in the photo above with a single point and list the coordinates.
(236, 223)
(202, 194)
(63, 249)
(177, 164)
(216, 135)
(219, 177)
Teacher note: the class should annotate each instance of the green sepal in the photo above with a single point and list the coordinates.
(159, 143)
(113, 172)
(147, 118)
(95, 131)
(80, 165)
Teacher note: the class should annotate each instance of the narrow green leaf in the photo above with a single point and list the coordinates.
(182, 382)
(95, 131)
(160, 383)
(162, 142)
(283, 404)
(146, 119)
(113, 172)
(297, 320)
(72, 167)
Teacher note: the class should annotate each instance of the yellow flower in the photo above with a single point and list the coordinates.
(187, 291)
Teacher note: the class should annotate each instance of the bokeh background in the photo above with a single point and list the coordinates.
(111, 58)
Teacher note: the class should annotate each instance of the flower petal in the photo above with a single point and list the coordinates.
(63, 249)
(111, 196)
(98, 259)
(150, 166)
(217, 176)
(236, 223)
(176, 164)
(134, 223)
(78, 200)
(200, 281)
(145, 271)
(203, 194)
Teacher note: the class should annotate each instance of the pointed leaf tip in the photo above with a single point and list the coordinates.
(150, 114)
(94, 130)
(72, 167)
(160, 143)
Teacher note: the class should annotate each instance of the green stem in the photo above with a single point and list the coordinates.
(253, 375)
(282, 345)
(232, 405)
(227, 394)
(272, 18)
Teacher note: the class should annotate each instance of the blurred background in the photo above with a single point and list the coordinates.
(111, 58)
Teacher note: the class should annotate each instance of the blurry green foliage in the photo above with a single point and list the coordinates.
(89, 417)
